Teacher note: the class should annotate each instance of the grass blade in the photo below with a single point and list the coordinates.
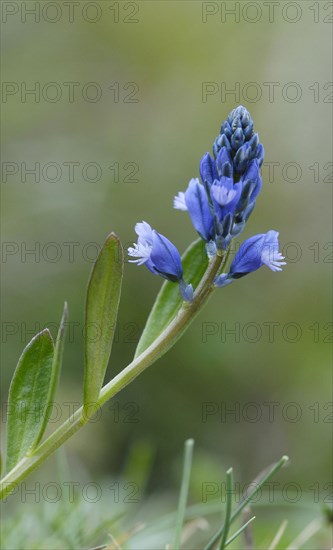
(227, 522)
(239, 532)
(306, 534)
(187, 466)
(263, 478)
(279, 535)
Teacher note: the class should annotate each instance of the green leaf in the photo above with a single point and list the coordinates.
(103, 295)
(169, 300)
(56, 369)
(28, 395)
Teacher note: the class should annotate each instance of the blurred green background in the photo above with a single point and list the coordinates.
(150, 63)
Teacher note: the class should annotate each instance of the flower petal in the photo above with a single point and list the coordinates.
(166, 258)
(144, 232)
(179, 202)
(248, 257)
(208, 170)
(198, 206)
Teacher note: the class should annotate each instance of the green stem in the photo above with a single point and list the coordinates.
(158, 348)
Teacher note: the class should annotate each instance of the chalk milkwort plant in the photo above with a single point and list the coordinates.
(219, 206)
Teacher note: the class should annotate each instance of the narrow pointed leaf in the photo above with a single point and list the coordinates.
(28, 394)
(185, 485)
(55, 373)
(169, 300)
(239, 531)
(102, 303)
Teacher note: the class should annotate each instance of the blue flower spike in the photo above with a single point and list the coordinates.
(219, 207)
(259, 250)
(231, 182)
(160, 256)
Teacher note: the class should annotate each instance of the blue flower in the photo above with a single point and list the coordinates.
(160, 256)
(242, 158)
(224, 163)
(195, 200)
(208, 170)
(252, 176)
(225, 195)
(251, 184)
(220, 207)
(262, 249)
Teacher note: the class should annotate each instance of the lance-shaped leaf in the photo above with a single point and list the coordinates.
(28, 397)
(169, 300)
(55, 373)
(102, 303)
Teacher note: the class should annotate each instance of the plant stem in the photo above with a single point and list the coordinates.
(158, 348)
